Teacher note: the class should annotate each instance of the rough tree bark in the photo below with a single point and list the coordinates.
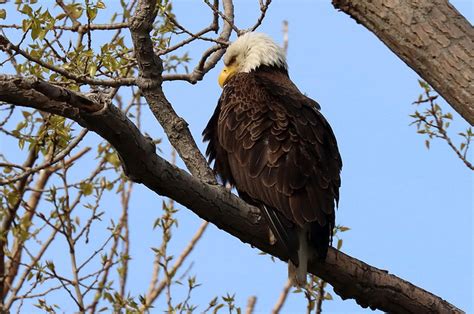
(431, 37)
(351, 278)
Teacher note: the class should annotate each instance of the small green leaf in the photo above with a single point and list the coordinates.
(91, 13)
(92, 70)
(26, 9)
(86, 188)
(213, 302)
(50, 265)
(328, 296)
(218, 308)
(424, 85)
(113, 159)
(60, 16)
(3, 14)
(75, 11)
(35, 31)
(12, 198)
(25, 25)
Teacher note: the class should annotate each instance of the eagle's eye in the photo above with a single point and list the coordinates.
(231, 60)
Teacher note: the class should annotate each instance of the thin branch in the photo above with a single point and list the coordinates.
(193, 36)
(320, 296)
(285, 36)
(6, 45)
(34, 261)
(47, 164)
(109, 262)
(263, 11)
(125, 202)
(156, 291)
(79, 28)
(213, 54)
(251, 304)
(7, 221)
(229, 19)
(18, 242)
(282, 298)
(438, 125)
(74, 20)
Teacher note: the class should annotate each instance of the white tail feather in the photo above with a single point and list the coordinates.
(297, 274)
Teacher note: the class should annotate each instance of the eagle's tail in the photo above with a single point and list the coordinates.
(297, 273)
(295, 240)
(282, 232)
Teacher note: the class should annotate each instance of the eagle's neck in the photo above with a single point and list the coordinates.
(272, 69)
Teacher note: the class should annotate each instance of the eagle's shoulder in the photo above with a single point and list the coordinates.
(278, 84)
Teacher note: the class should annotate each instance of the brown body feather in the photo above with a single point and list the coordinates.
(271, 142)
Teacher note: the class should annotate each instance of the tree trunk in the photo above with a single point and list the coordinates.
(431, 37)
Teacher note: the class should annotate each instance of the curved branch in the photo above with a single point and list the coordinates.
(351, 278)
(149, 82)
(431, 37)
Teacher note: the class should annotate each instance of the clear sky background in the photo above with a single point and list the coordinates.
(409, 208)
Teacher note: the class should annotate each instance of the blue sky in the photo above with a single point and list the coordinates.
(409, 208)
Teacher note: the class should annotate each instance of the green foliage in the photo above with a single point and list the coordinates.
(432, 122)
(90, 58)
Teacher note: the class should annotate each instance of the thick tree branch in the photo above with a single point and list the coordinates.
(431, 37)
(149, 81)
(351, 278)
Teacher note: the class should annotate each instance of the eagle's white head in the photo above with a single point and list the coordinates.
(250, 51)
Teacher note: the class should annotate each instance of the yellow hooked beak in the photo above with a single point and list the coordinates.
(226, 73)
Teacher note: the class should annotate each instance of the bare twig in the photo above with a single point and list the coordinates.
(432, 123)
(26, 272)
(320, 296)
(156, 291)
(251, 304)
(78, 28)
(7, 221)
(282, 298)
(193, 36)
(285, 36)
(47, 164)
(229, 19)
(263, 11)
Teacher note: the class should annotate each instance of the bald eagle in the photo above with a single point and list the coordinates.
(273, 145)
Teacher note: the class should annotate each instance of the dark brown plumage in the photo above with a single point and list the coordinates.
(271, 142)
